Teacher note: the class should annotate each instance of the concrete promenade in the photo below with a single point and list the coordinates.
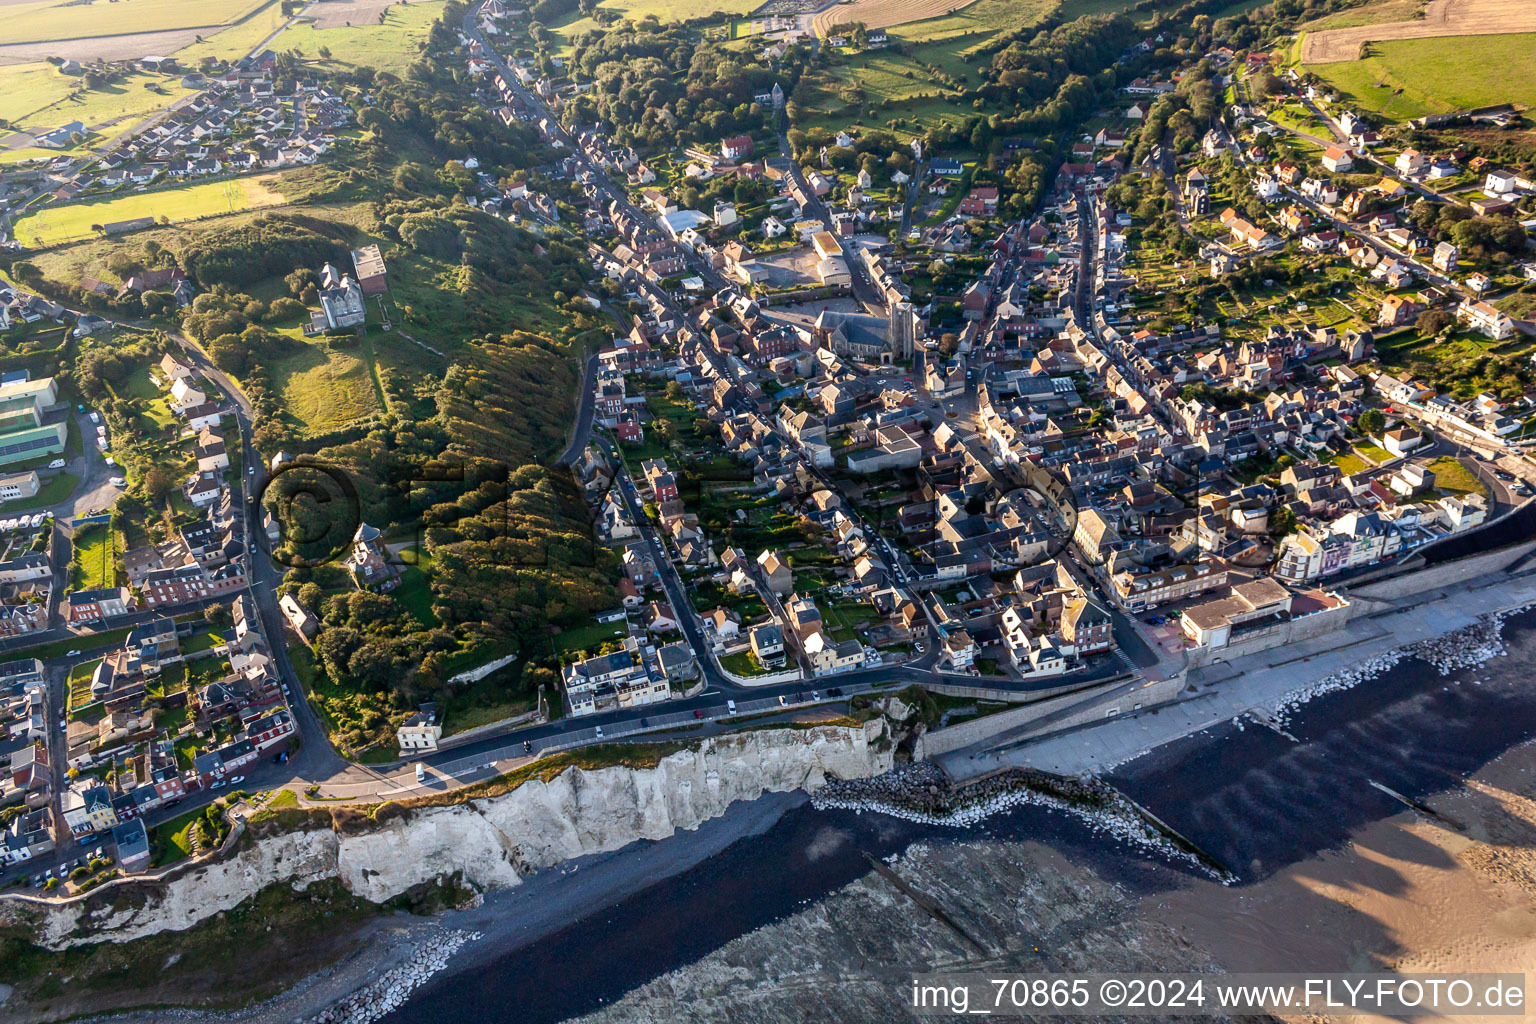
(1258, 682)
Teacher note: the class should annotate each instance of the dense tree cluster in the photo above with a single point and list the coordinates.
(662, 86)
(266, 247)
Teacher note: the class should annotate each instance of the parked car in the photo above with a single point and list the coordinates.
(71, 654)
(599, 732)
(698, 713)
(56, 464)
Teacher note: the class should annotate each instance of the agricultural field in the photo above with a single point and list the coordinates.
(392, 45)
(1378, 12)
(678, 10)
(1410, 78)
(324, 388)
(53, 20)
(882, 13)
(1443, 19)
(77, 221)
(238, 39)
(981, 19)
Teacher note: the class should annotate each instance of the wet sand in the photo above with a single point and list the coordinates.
(1407, 893)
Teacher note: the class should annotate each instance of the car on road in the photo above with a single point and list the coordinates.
(815, 695)
(599, 732)
(1503, 474)
(698, 713)
(917, 645)
(119, 481)
(783, 703)
(71, 654)
(836, 691)
(644, 722)
(237, 780)
(219, 785)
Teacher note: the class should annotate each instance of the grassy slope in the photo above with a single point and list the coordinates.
(189, 202)
(325, 388)
(36, 96)
(1434, 77)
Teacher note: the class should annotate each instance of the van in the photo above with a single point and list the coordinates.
(421, 772)
(730, 707)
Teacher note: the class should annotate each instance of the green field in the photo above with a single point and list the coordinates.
(325, 388)
(565, 29)
(239, 39)
(1433, 75)
(94, 560)
(391, 46)
(70, 223)
(55, 20)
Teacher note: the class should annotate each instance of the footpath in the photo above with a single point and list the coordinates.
(1257, 683)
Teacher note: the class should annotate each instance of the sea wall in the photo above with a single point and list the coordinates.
(491, 842)
(1445, 574)
(1064, 712)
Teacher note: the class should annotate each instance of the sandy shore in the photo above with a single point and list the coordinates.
(1405, 893)
(1408, 893)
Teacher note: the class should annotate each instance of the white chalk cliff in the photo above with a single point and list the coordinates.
(492, 842)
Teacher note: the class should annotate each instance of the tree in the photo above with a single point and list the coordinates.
(1282, 522)
(159, 481)
(1372, 422)
(1432, 321)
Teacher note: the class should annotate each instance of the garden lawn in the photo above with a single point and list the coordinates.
(93, 566)
(172, 841)
(743, 663)
(415, 593)
(590, 637)
(1452, 477)
(52, 491)
(75, 221)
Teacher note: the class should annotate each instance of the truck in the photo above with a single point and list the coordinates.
(421, 772)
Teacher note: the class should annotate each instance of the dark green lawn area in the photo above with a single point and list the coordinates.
(590, 637)
(51, 492)
(415, 593)
(743, 663)
(172, 841)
